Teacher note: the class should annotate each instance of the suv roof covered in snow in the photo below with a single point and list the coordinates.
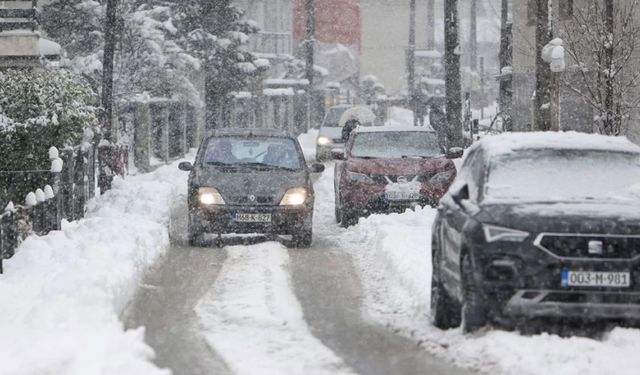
(509, 142)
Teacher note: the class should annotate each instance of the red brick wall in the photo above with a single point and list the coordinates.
(337, 21)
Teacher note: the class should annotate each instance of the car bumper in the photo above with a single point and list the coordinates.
(523, 281)
(570, 304)
(220, 220)
(372, 200)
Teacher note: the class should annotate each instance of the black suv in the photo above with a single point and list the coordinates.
(251, 181)
(539, 226)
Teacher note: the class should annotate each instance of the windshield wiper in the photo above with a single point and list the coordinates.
(365, 157)
(220, 164)
(266, 166)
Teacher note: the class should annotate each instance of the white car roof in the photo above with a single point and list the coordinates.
(507, 143)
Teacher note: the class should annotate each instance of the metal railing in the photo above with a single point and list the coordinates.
(70, 184)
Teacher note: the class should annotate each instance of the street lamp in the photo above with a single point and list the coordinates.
(553, 53)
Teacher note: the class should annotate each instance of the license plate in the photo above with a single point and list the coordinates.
(402, 195)
(252, 218)
(596, 279)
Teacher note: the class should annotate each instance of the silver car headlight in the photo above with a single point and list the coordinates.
(209, 196)
(295, 197)
(494, 233)
(324, 141)
(359, 177)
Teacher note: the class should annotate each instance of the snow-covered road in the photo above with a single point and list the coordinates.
(356, 302)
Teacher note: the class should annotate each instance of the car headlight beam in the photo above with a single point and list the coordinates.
(209, 196)
(324, 141)
(494, 233)
(294, 197)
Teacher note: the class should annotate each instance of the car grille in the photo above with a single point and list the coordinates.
(582, 246)
(379, 178)
(246, 200)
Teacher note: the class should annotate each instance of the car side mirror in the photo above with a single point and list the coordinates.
(185, 166)
(316, 168)
(338, 154)
(455, 153)
(459, 193)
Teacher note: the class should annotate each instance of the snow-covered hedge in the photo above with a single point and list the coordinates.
(40, 109)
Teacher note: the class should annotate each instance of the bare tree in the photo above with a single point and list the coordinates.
(603, 47)
(452, 74)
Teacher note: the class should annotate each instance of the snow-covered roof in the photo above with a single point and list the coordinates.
(509, 142)
(392, 129)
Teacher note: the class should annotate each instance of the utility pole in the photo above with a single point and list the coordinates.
(105, 153)
(309, 54)
(452, 74)
(473, 36)
(431, 24)
(544, 78)
(411, 61)
(505, 57)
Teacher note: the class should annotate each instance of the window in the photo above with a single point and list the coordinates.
(566, 9)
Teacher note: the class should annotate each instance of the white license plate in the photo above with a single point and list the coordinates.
(596, 279)
(402, 195)
(252, 218)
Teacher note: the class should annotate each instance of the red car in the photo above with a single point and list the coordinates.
(386, 169)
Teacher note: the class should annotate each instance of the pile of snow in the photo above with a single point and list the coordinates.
(253, 320)
(61, 294)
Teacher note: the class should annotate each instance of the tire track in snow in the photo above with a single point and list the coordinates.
(254, 321)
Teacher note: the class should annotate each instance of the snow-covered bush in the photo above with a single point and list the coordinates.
(40, 109)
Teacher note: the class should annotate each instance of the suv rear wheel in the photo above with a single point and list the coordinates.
(474, 311)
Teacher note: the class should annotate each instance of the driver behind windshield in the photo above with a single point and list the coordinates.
(220, 153)
(269, 152)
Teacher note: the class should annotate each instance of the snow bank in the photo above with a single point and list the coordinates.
(62, 294)
(255, 323)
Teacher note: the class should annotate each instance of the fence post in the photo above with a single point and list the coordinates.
(142, 137)
(67, 183)
(78, 177)
(182, 120)
(164, 140)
